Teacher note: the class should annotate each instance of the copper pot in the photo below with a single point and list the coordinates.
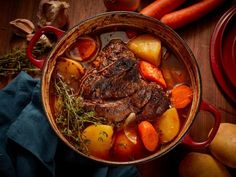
(130, 19)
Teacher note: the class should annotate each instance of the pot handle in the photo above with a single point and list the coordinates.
(34, 40)
(217, 116)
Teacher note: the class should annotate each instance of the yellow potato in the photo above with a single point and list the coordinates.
(98, 139)
(201, 165)
(147, 47)
(223, 146)
(70, 70)
(168, 125)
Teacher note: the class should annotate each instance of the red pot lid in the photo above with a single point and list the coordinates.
(223, 53)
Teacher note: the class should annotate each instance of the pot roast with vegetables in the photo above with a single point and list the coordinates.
(119, 94)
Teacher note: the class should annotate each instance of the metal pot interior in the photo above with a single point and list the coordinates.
(116, 19)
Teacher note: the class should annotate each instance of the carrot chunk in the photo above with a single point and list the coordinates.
(152, 73)
(181, 96)
(149, 135)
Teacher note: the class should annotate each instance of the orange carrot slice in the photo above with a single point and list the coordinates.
(152, 73)
(181, 96)
(149, 135)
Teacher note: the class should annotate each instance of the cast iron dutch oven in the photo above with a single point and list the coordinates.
(130, 19)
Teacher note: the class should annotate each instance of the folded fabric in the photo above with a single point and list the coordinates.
(29, 146)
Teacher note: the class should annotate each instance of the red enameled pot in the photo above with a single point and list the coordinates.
(130, 19)
(223, 53)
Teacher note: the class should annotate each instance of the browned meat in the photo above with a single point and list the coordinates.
(119, 76)
(115, 110)
(157, 104)
(115, 50)
(115, 88)
(141, 97)
(119, 67)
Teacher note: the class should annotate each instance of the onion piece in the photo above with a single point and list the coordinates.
(130, 128)
(83, 49)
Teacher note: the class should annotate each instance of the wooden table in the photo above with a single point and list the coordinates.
(197, 35)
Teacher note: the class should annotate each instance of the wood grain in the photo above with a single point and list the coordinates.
(197, 35)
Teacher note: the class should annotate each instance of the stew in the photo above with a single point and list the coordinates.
(111, 94)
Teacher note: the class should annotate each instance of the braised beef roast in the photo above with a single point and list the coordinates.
(113, 86)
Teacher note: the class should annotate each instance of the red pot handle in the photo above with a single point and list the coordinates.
(34, 40)
(206, 107)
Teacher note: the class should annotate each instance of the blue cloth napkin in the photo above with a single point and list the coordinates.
(28, 145)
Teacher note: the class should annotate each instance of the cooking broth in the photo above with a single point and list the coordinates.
(102, 97)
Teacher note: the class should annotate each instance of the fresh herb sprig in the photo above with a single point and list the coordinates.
(71, 115)
(16, 60)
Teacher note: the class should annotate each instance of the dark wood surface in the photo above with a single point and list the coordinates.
(197, 35)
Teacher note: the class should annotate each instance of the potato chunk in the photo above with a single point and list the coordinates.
(70, 70)
(98, 139)
(147, 47)
(168, 125)
(201, 165)
(223, 146)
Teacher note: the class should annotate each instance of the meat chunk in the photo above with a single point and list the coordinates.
(116, 88)
(115, 110)
(114, 51)
(119, 67)
(157, 104)
(141, 97)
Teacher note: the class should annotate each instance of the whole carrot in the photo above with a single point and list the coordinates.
(161, 7)
(189, 14)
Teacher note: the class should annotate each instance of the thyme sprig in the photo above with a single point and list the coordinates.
(72, 117)
(16, 60)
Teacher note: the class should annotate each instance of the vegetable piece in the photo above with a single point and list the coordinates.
(70, 71)
(130, 128)
(181, 96)
(22, 27)
(83, 49)
(223, 146)
(173, 71)
(152, 73)
(201, 165)
(149, 135)
(130, 5)
(147, 47)
(98, 139)
(124, 149)
(53, 13)
(161, 7)
(189, 14)
(168, 125)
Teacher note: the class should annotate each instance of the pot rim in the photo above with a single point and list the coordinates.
(197, 78)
